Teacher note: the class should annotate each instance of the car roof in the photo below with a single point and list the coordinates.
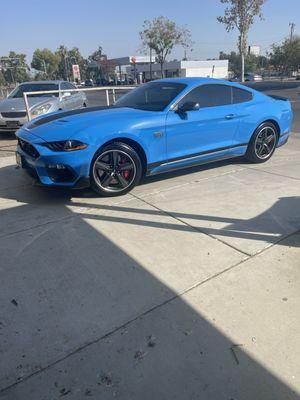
(56, 82)
(192, 81)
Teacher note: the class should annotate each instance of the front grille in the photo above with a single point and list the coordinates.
(28, 148)
(61, 175)
(56, 146)
(14, 114)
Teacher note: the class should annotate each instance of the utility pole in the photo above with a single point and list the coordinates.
(150, 63)
(292, 25)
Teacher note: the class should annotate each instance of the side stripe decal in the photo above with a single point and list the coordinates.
(202, 153)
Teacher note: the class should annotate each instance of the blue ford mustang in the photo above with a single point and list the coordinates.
(160, 126)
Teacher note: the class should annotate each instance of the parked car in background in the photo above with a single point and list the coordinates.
(250, 77)
(89, 83)
(101, 82)
(13, 112)
(160, 126)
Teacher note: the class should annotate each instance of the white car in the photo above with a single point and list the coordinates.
(13, 112)
(252, 77)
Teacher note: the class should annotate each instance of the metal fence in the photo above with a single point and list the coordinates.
(110, 94)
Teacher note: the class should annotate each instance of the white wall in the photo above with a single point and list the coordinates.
(217, 72)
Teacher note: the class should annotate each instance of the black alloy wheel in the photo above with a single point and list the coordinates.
(115, 170)
(263, 143)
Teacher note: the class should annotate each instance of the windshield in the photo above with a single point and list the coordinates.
(153, 96)
(34, 87)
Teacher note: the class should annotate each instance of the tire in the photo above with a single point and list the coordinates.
(263, 143)
(115, 170)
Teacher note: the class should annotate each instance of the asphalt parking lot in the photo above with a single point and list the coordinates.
(187, 288)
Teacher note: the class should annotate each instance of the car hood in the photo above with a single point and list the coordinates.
(17, 104)
(66, 125)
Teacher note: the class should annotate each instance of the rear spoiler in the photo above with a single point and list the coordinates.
(274, 96)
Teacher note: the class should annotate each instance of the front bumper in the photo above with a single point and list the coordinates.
(67, 169)
(11, 124)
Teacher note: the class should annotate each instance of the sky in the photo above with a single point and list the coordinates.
(115, 25)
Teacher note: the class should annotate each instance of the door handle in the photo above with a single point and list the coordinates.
(230, 116)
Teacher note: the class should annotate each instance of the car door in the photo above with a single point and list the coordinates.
(207, 130)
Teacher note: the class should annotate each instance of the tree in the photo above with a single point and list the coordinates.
(252, 63)
(67, 58)
(14, 68)
(100, 66)
(63, 69)
(162, 35)
(240, 14)
(74, 57)
(2, 79)
(46, 62)
(285, 57)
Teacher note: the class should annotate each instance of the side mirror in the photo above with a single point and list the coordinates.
(188, 106)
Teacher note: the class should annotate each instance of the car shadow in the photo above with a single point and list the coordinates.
(78, 312)
(191, 170)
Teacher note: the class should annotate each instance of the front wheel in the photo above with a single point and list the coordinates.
(263, 143)
(115, 170)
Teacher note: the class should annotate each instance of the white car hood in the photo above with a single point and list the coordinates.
(17, 104)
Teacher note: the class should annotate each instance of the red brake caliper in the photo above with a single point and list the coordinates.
(126, 172)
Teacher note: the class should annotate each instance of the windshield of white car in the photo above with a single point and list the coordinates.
(153, 96)
(34, 87)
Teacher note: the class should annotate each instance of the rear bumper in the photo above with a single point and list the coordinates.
(283, 139)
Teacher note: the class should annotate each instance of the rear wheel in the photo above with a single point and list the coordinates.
(263, 143)
(115, 170)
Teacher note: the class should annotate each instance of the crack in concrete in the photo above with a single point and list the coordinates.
(272, 173)
(193, 227)
(126, 324)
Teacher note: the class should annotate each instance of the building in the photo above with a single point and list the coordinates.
(254, 50)
(137, 68)
(209, 69)
(126, 67)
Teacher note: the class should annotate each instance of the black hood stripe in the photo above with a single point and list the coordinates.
(62, 114)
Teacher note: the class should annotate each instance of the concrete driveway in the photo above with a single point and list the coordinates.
(188, 288)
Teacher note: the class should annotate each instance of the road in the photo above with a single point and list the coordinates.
(291, 90)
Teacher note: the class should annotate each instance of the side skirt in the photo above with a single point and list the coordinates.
(197, 159)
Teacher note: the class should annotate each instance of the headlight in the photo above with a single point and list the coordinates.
(39, 110)
(66, 145)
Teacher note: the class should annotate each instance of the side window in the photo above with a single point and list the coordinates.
(240, 95)
(211, 95)
(66, 86)
(63, 86)
(71, 86)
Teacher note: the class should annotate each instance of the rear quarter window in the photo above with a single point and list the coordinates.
(241, 96)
